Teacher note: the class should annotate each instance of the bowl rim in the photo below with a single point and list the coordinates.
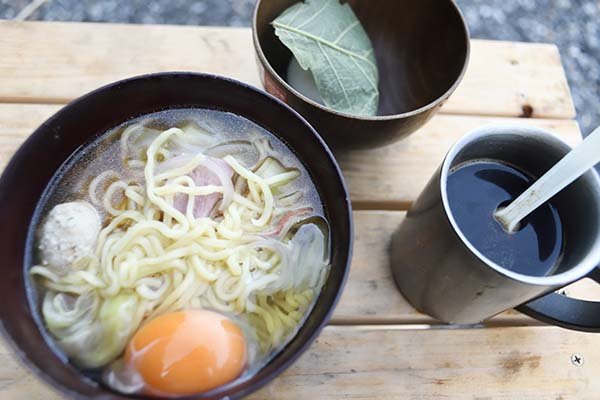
(442, 98)
(247, 386)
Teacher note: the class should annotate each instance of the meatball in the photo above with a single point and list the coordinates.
(69, 233)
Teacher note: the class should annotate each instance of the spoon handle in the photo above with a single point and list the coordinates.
(572, 166)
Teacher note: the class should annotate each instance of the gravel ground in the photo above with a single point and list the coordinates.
(571, 24)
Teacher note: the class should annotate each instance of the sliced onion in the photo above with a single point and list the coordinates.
(224, 172)
(241, 149)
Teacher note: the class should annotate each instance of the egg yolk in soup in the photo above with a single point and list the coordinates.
(187, 352)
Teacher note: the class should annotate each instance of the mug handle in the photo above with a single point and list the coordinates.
(560, 310)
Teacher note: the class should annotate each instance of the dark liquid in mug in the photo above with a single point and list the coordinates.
(475, 190)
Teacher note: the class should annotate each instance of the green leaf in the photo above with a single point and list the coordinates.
(327, 39)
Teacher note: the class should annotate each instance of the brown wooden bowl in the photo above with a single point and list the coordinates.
(422, 49)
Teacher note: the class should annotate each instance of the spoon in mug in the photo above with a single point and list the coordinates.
(572, 166)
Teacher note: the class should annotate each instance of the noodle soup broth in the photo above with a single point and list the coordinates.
(177, 253)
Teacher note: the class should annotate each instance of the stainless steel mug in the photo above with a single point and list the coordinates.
(440, 273)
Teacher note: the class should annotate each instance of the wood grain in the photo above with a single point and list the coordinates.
(585, 289)
(17, 122)
(370, 295)
(392, 362)
(387, 178)
(513, 79)
(392, 177)
(52, 63)
(500, 363)
(56, 62)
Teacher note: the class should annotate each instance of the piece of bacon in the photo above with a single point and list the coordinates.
(204, 176)
(285, 219)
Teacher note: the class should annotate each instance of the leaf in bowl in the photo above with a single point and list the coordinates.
(327, 38)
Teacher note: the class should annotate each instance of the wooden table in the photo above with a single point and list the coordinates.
(377, 346)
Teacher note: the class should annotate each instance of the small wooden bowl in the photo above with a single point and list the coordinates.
(422, 49)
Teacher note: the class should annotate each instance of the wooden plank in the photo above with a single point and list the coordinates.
(371, 295)
(56, 62)
(392, 177)
(500, 363)
(17, 122)
(390, 362)
(585, 289)
(386, 178)
(513, 79)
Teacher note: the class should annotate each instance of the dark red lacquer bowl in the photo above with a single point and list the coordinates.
(34, 164)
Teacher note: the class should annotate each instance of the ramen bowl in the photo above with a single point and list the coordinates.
(32, 168)
(422, 50)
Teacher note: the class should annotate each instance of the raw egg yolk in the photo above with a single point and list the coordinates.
(187, 352)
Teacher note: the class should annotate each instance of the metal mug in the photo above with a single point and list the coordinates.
(440, 273)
